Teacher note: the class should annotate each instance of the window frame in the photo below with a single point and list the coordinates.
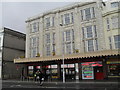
(68, 48)
(48, 51)
(87, 13)
(34, 46)
(90, 45)
(89, 31)
(117, 42)
(114, 4)
(67, 18)
(47, 22)
(115, 22)
(47, 38)
(34, 27)
(110, 42)
(108, 24)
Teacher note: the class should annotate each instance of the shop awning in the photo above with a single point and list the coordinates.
(70, 56)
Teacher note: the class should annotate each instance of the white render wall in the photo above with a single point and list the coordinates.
(58, 29)
(109, 12)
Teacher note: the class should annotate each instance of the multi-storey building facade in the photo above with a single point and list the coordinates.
(12, 45)
(73, 33)
(111, 24)
(79, 22)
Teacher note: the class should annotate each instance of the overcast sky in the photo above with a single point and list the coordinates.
(14, 14)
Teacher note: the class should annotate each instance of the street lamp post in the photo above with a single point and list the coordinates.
(63, 70)
(63, 63)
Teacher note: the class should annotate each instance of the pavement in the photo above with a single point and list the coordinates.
(76, 85)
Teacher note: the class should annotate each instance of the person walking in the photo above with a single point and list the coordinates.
(39, 74)
(41, 78)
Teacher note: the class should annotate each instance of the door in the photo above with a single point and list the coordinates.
(70, 73)
(98, 73)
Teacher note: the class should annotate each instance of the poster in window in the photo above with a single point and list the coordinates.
(87, 72)
(53, 66)
(54, 71)
(65, 66)
(30, 72)
(71, 66)
(30, 67)
(37, 67)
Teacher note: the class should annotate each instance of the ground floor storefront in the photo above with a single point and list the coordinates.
(97, 68)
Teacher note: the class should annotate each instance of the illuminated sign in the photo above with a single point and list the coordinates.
(30, 67)
(92, 64)
(48, 66)
(68, 65)
(53, 66)
(71, 66)
(113, 62)
(65, 66)
(87, 69)
(87, 72)
(38, 67)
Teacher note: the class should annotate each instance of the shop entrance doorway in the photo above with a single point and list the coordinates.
(51, 72)
(69, 73)
(98, 73)
(69, 70)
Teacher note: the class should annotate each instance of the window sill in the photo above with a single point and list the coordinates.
(116, 28)
(67, 25)
(91, 38)
(92, 19)
(33, 32)
(51, 27)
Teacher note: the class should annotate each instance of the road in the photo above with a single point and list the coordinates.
(7, 85)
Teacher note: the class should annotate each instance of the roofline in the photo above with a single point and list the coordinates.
(13, 32)
(61, 9)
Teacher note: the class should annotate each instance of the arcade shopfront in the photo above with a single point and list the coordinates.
(76, 67)
(89, 70)
(55, 71)
(70, 72)
(92, 70)
(113, 68)
(50, 71)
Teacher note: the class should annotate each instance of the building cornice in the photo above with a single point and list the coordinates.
(69, 7)
(111, 12)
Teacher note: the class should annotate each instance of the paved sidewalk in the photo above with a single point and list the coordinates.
(69, 82)
(73, 83)
(81, 85)
(79, 81)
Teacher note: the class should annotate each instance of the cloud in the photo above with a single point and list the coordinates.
(0, 15)
(15, 13)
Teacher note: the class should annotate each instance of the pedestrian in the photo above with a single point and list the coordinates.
(35, 77)
(41, 78)
(40, 75)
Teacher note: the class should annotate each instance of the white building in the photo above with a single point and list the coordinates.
(77, 31)
(49, 36)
